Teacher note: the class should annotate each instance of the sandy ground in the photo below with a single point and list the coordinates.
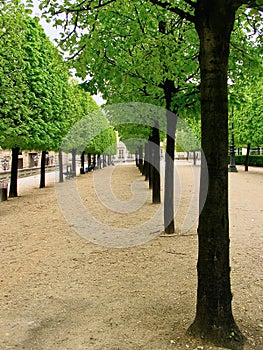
(60, 291)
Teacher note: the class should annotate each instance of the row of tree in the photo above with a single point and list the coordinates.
(39, 100)
(178, 54)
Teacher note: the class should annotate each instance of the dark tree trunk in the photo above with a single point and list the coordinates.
(136, 159)
(169, 225)
(14, 172)
(150, 161)
(140, 159)
(214, 320)
(89, 160)
(60, 163)
(156, 189)
(82, 161)
(43, 170)
(74, 152)
(94, 160)
(247, 157)
(171, 120)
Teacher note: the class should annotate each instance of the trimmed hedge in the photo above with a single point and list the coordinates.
(254, 160)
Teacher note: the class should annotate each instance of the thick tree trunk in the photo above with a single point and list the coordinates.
(74, 152)
(43, 170)
(14, 172)
(60, 165)
(82, 161)
(214, 319)
(169, 225)
(156, 189)
(247, 157)
(171, 120)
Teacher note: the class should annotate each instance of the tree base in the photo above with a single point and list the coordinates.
(228, 337)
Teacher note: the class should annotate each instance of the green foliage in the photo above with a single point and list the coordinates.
(253, 160)
(33, 81)
(90, 129)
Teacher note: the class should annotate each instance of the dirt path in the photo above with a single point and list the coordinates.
(62, 292)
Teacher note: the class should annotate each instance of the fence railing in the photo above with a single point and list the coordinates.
(26, 172)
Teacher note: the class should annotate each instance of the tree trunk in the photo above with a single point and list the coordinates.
(89, 160)
(169, 226)
(43, 170)
(74, 152)
(171, 120)
(247, 157)
(140, 159)
(194, 157)
(60, 163)
(99, 161)
(82, 165)
(94, 160)
(156, 189)
(14, 172)
(214, 320)
(104, 161)
(146, 164)
(150, 161)
(136, 159)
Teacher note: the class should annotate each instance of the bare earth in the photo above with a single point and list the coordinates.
(59, 291)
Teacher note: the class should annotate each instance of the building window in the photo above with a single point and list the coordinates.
(121, 154)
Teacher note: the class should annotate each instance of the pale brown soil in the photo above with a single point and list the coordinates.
(62, 292)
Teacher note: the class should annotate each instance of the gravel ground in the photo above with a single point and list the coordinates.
(62, 289)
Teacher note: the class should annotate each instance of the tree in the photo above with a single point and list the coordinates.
(133, 61)
(33, 84)
(245, 74)
(90, 130)
(214, 21)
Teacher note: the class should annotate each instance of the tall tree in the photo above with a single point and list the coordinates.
(33, 87)
(214, 21)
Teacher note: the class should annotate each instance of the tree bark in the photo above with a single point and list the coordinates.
(14, 172)
(136, 159)
(247, 157)
(214, 320)
(94, 160)
(171, 120)
(169, 225)
(140, 159)
(60, 163)
(156, 189)
(89, 160)
(150, 161)
(82, 165)
(43, 170)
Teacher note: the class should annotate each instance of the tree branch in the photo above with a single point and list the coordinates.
(183, 14)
